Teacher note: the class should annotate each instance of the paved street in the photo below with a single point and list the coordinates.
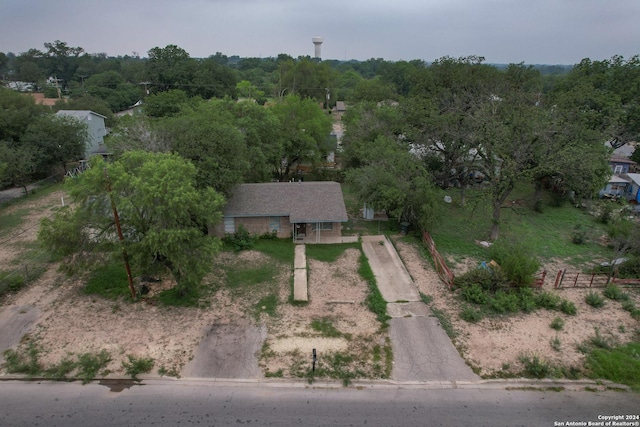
(216, 403)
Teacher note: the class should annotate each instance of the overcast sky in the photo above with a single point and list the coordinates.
(503, 31)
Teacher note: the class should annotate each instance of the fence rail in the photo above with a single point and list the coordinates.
(569, 279)
(441, 267)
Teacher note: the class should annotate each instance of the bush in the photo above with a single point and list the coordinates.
(615, 293)
(240, 240)
(628, 305)
(557, 324)
(568, 307)
(547, 300)
(630, 269)
(516, 262)
(475, 294)
(579, 236)
(527, 300)
(489, 280)
(137, 366)
(503, 302)
(471, 315)
(534, 367)
(594, 300)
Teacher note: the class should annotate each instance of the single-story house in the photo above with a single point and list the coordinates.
(616, 187)
(95, 127)
(307, 212)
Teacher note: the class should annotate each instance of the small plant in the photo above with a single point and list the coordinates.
(556, 344)
(547, 300)
(578, 235)
(277, 374)
(92, 364)
(615, 293)
(60, 370)
(137, 366)
(527, 300)
(23, 363)
(568, 307)
(471, 315)
(240, 240)
(503, 302)
(628, 305)
(599, 341)
(594, 300)
(534, 367)
(171, 372)
(557, 324)
(444, 322)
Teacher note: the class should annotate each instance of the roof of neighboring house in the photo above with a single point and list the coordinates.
(615, 179)
(317, 201)
(619, 159)
(635, 177)
(79, 114)
(625, 151)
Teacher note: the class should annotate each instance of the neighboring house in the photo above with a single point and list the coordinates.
(633, 188)
(134, 109)
(308, 212)
(616, 187)
(95, 128)
(620, 164)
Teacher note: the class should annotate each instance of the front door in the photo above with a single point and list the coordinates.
(301, 230)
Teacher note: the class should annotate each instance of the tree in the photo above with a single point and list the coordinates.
(302, 129)
(163, 215)
(393, 179)
(166, 103)
(17, 166)
(169, 67)
(18, 111)
(55, 141)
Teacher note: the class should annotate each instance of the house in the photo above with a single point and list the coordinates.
(620, 164)
(633, 188)
(95, 127)
(308, 212)
(616, 187)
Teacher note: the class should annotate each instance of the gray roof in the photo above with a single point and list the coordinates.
(317, 201)
(78, 114)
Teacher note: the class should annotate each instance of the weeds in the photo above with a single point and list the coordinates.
(23, 363)
(557, 324)
(615, 293)
(535, 367)
(471, 315)
(375, 301)
(171, 372)
(556, 344)
(547, 300)
(444, 322)
(92, 364)
(426, 298)
(594, 300)
(568, 307)
(325, 327)
(136, 365)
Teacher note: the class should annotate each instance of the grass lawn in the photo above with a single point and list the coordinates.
(548, 233)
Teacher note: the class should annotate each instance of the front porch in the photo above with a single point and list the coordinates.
(324, 239)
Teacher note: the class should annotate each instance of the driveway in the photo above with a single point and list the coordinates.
(422, 350)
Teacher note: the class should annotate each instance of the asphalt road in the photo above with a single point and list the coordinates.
(175, 403)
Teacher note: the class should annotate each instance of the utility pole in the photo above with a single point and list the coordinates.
(125, 256)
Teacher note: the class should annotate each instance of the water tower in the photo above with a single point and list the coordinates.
(317, 41)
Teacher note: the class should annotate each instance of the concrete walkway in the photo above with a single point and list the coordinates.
(300, 291)
(392, 277)
(422, 350)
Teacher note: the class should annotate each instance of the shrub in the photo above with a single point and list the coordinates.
(630, 269)
(579, 235)
(527, 300)
(534, 367)
(628, 305)
(568, 307)
(475, 294)
(557, 323)
(516, 262)
(606, 213)
(240, 240)
(489, 280)
(594, 300)
(547, 300)
(89, 365)
(615, 293)
(136, 365)
(503, 302)
(556, 344)
(471, 315)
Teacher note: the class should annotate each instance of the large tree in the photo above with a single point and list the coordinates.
(164, 217)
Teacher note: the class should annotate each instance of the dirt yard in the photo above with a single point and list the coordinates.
(71, 322)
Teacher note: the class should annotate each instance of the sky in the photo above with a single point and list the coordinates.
(502, 31)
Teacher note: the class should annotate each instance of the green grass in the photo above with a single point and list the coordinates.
(329, 253)
(375, 301)
(268, 305)
(619, 364)
(547, 234)
(325, 327)
(109, 281)
(280, 249)
(240, 278)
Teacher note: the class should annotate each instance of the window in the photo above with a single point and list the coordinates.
(229, 225)
(323, 226)
(274, 223)
(617, 169)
